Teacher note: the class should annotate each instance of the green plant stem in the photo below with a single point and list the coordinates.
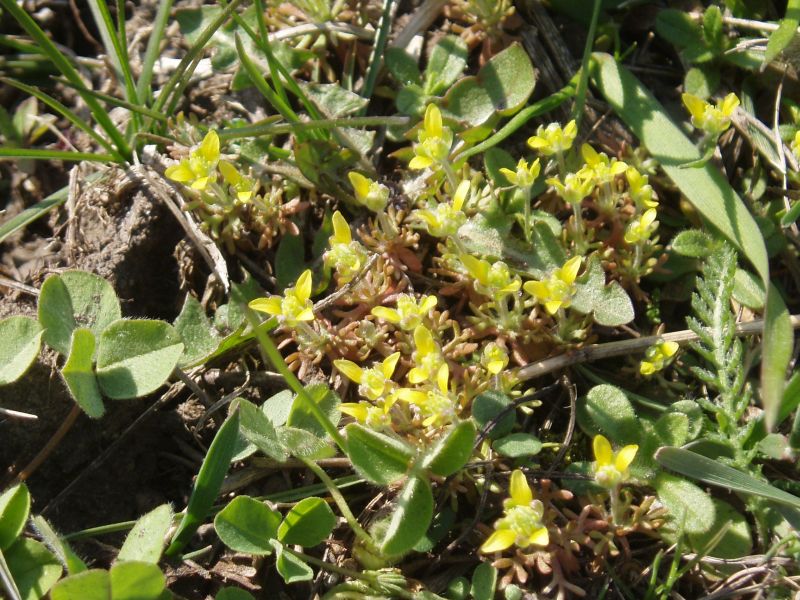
(274, 356)
(9, 585)
(340, 501)
(272, 128)
(583, 82)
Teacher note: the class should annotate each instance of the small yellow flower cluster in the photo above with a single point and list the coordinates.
(657, 357)
(525, 175)
(574, 188)
(369, 194)
(491, 279)
(444, 219)
(554, 139)
(409, 313)
(347, 256)
(435, 141)
(522, 524)
(611, 469)
(640, 229)
(556, 291)
(293, 307)
(713, 119)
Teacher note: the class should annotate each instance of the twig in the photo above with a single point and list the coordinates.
(621, 348)
(15, 414)
(16, 285)
(573, 411)
(345, 289)
(420, 21)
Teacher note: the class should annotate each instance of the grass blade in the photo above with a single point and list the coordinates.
(208, 482)
(712, 196)
(42, 154)
(379, 45)
(66, 69)
(785, 33)
(712, 472)
(143, 89)
(66, 113)
(136, 108)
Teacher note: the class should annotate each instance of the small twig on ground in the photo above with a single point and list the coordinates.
(621, 348)
(15, 414)
(16, 285)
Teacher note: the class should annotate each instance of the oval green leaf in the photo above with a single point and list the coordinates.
(94, 584)
(308, 523)
(34, 568)
(22, 339)
(145, 542)
(15, 504)
(377, 457)
(247, 525)
(136, 581)
(411, 517)
(78, 374)
(452, 450)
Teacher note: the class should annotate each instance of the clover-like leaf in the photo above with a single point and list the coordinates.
(610, 412)
(411, 517)
(452, 450)
(146, 540)
(22, 339)
(78, 374)
(376, 456)
(609, 304)
(33, 567)
(199, 337)
(15, 504)
(247, 525)
(134, 580)
(308, 523)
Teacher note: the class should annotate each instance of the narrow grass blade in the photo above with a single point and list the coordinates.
(208, 483)
(194, 53)
(153, 49)
(712, 472)
(785, 33)
(583, 82)
(135, 108)
(378, 47)
(65, 67)
(66, 113)
(41, 154)
(712, 196)
(273, 126)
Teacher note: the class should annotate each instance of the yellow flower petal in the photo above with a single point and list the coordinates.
(341, 230)
(625, 457)
(413, 396)
(443, 378)
(387, 314)
(355, 409)
(694, 105)
(669, 348)
(499, 541)
(519, 489)
(180, 172)
(420, 162)
(302, 290)
(510, 175)
(427, 304)
(350, 369)
(359, 182)
(271, 305)
(461, 194)
(307, 314)
(209, 147)
(537, 288)
(423, 339)
(433, 121)
(729, 104)
(571, 129)
(540, 537)
(417, 375)
(589, 154)
(389, 364)
(494, 366)
(602, 450)
(569, 271)
(201, 183)
(552, 306)
(229, 172)
(477, 269)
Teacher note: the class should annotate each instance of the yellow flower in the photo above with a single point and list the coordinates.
(525, 175)
(640, 190)
(712, 119)
(295, 304)
(494, 358)
(493, 280)
(445, 219)
(409, 313)
(522, 524)
(435, 141)
(368, 193)
(243, 186)
(374, 417)
(556, 291)
(575, 188)
(553, 139)
(375, 382)
(602, 168)
(436, 406)
(796, 145)
(658, 356)
(427, 356)
(200, 168)
(642, 228)
(347, 256)
(611, 469)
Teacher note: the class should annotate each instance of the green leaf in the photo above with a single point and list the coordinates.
(135, 357)
(78, 374)
(247, 525)
(208, 483)
(447, 62)
(713, 197)
(495, 159)
(736, 541)
(502, 86)
(35, 569)
(518, 445)
(672, 429)
(701, 81)
(291, 567)
(304, 444)
(492, 407)
(376, 456)
(678, 27)
(277, 407)
(451, 451)
(136, 581)
(609, 304)
(484, 582)
(690, 508)
(612, 413)
(75, 299)
(328, 401)
(704, 469)
(694, 414)
(146, 540)
(22, 339)
(58, 546)
(693, 243)
(780, 39)
(712, 28)
(259, 431)
(290, 260)
(307, 524)
(15, 505)
(198, 335)
(402, 66)
(333, 100)
(232, 593)
(411, 517)
(748, 290)
(94, 584)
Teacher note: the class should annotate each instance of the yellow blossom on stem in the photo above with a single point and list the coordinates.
(521, 525)
(345, 255)
(525, 175)
(640, 230)
(436, 406)
(640, 190)
(553, 139)
(435, 141)
(445, 219)
(375, 417)
(244, 187)
(368, 193)
(711, 119)
(494, 358)
(602, 168)
(199, 169)
(427, 356)
(575, 187)
(556, 291)
(611, 469)
(375, 382)
(658, 356)
(409, 313)
(294, 306)
(491, 279)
